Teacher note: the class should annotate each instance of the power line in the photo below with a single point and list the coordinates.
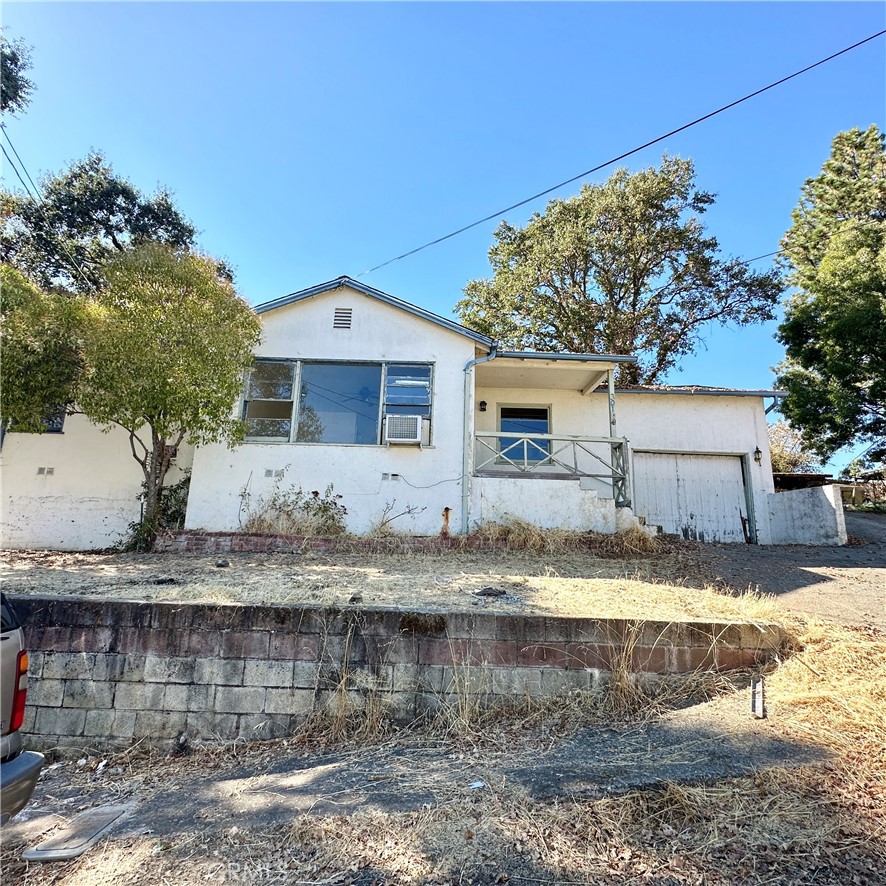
(38, 201)
(750, 261)
(642, 147)
(17, 157)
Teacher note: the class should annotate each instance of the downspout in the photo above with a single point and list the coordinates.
(467, 441)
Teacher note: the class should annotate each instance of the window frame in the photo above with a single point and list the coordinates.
(245, 401)
(503, 459)
(299, 363)
(53, 423)
(384, 398)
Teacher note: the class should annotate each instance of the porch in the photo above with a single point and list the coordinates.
(550, 417)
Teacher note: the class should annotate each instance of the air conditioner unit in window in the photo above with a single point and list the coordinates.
(403, 429)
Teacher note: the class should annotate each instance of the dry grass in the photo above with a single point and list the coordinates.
(822, 824)
(519, 535)
(662, 587)
(813, 825)
(810, 825)
(832, 693)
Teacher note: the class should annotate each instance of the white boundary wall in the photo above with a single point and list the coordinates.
(807, 517)
(87, 501)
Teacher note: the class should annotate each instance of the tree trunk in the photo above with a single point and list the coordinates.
(155, 469)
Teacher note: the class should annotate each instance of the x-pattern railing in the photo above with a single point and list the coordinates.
(554, 450)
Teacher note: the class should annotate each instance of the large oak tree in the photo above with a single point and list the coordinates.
(624, 267)
(15, 86)
(85, 216)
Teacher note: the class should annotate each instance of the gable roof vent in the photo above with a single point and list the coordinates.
(342, 318)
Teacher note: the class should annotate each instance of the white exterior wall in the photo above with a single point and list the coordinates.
(673, 422)
(807, 517)
(88, 501)
(550, 504)
(379, 332)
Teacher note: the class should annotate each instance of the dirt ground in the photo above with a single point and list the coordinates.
(668, 586)
(660, 791)
(844, 583)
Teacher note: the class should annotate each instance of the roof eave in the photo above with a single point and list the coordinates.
(701, 392)
(578, 358)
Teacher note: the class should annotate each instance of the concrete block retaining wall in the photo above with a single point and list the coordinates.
(116, 671)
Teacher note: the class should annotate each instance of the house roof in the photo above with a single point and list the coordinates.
(704, 390)
(583, 358)
(371, 292)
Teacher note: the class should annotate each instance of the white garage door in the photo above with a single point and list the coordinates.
(697, 496)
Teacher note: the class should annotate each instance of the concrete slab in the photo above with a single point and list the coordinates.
(78, 835)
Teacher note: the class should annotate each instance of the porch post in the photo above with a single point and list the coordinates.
(617, 453)
(610, 377)
(468, 432)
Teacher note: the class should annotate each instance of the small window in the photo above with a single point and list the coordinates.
(408, 390)
(522, 421)
(268, 407)
(53, 422)
(342, 318)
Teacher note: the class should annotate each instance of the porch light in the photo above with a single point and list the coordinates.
(758, 456)
(482, 406)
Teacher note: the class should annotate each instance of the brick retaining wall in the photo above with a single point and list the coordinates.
(114, 671)
(186, 542)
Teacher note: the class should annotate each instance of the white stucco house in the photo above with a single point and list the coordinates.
(391, 403)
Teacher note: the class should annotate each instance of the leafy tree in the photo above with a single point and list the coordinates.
(15, 87)
(788, 452)
(42, 350)
(166, 360)
(87, 215)
(834, 330)
(624, 267)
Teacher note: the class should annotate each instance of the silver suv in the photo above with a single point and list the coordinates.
(19, 769)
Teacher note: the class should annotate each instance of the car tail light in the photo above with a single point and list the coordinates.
(21, 690)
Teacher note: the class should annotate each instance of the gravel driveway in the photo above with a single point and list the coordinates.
(845, 583)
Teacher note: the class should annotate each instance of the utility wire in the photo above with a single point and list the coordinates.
(38, 201)
(17, 157)
(600, 166)
(750, 261)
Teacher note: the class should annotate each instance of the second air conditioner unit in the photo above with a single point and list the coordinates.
(403, 429)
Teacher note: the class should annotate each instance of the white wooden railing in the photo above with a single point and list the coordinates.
(503, 452)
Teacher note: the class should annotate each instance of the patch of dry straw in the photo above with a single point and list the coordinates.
(515, 534)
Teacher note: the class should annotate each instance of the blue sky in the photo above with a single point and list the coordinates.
(311, 140)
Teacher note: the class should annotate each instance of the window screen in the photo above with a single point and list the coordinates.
(408, 390)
